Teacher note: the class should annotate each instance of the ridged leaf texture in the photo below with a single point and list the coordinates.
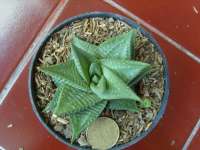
(66, 73)
(71, 100)
(52, 104)
(120, 46)
(113, 87)
(82, 62)
(126, 69)
(80, 121)
(86, 47)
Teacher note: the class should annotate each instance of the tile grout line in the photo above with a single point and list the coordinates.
(32, 49)
(153, 29)
(192, 135)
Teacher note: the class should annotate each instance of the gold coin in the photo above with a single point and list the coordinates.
(103, 133)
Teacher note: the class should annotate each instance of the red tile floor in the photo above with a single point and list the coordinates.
(24, 23)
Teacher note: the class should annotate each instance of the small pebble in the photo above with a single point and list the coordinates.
(10, 126)
(172, 142)
(61, 120)
(82, 141)
(58, 128)
(67, 132)
(53, 121)
(149, 115)
(110, 20)
(21, 148)
(187, 25)
(49, 60)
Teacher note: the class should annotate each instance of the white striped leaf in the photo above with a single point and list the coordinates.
(86, 46)
(66, 73)
(120, 46)
(80, 121)
(127, 70)
(71, 100)
(52, 104)
(113, 87)
(82, 62)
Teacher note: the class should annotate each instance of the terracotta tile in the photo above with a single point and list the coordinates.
(175, 18)
(20, 22)
(171, 133)
(26, 130)
(195, 142)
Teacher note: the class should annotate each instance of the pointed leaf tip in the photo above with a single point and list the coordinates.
(127, 70)
(52, 104)
(81, 60)
(85, 46)
(66, 73)
(120, 46)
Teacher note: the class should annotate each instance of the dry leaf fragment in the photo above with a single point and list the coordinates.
(62, 121)
(67, 132)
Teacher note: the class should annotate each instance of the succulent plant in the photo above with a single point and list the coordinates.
(95, 77)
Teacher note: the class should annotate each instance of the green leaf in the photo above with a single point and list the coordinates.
(127, 69)
(95, 79)
(52, 104)
(66, 73)
(101, 86)
(114, 87)
(141, 76)
(122, 104)
(80, 121)
(85, 46)
(81, 60)
(71, 100)
(95, 69)
(120, 46)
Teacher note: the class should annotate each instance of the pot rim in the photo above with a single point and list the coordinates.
(131, 23)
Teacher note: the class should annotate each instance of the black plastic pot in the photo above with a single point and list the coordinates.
(90, 15)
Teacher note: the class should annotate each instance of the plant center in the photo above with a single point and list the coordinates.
(95, 73)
